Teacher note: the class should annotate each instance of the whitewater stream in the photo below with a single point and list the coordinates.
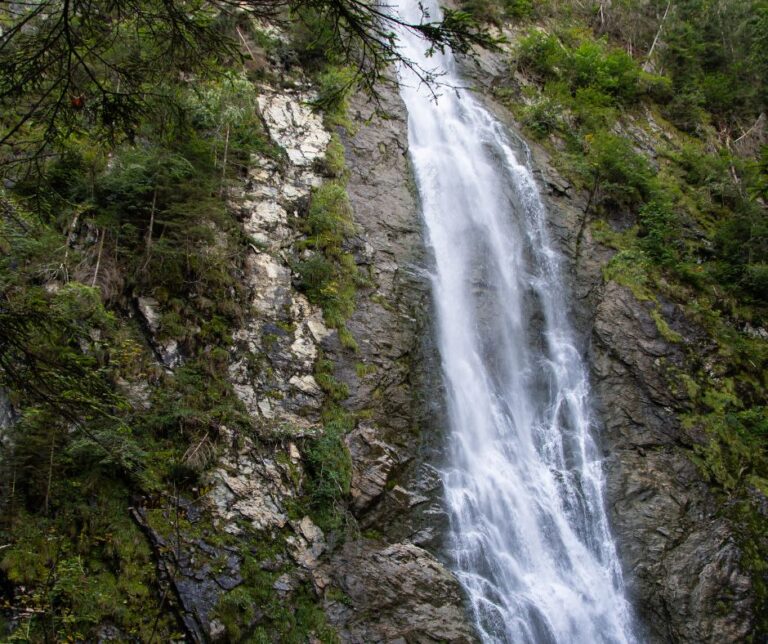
(529, 538)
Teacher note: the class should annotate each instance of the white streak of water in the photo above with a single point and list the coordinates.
(524, 490)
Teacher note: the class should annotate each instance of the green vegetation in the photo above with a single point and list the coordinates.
(148, 219)
(306, 618)
(70, 583)
(69, 67)
(327, 272)
(329, 467)
(124, 130)
(497, 11)
(327, 461)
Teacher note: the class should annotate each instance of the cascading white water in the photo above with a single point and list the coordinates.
(523, 486)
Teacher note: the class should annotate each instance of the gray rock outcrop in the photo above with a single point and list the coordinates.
(681, 555)
(397, 590)
(396, 593)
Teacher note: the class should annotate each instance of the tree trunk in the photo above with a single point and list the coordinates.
(98, 258)
(50, 476)
(224, 162)
(648, 65)
(150, 231)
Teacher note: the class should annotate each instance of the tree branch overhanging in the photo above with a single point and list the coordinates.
(72, 64)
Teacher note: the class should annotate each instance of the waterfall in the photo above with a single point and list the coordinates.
(529, 537)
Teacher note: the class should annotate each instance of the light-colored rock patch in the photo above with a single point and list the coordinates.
(306, 546)
(246, 486)
(294, 126)
(167, 350)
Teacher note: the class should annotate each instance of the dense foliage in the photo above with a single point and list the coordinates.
(80, 238)
(100, 66)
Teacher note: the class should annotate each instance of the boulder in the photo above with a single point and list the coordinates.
(395, 593)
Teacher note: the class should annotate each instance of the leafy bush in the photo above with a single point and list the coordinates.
(336, 83)
(329, 219)
(659, 232)
(593, 65)
(543, 116)
(755, 280)
(623, 178)
(611, 71)
(518, 8)
(542, 54)
(700, 168)
(686, 110)
(329, 466)
(630, 268)
(495, 11)
(313, 39)
(593, 108)
(316, 274)
(226, 112)
(329, 275)
(333, 164)
(658, 88)
(741, 245)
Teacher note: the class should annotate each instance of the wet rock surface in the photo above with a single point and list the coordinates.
(398, 591)
(391, 323)
(680, 556)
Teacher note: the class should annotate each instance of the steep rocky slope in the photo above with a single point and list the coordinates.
(282, 499)
(680, 554)
(374, 586)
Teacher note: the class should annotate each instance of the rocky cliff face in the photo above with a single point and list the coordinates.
(397, 589)
(374, 579)
(249, 555)
(681, 559)
(680, 554)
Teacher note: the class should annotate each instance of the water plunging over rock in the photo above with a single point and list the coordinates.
(523, 484)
